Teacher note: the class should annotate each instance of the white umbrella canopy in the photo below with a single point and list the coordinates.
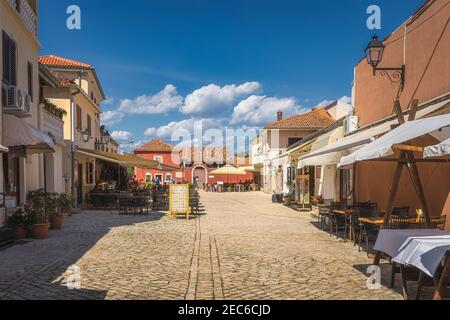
(229, 170)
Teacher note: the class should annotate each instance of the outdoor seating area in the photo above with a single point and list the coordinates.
(365, 225)
(361, 222)
(138, 201)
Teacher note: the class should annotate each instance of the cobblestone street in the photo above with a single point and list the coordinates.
(241, 247)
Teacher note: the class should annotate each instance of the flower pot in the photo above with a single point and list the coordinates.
(40, 231)
(57, 222)
(20, 232)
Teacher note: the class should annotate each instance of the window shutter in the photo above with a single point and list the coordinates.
(9, 60)
(79, 124)
(12, 62)
(5, 57)
(89, 124)
(30, 80)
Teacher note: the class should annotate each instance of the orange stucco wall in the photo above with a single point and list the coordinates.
(426, 53)
(373, 180)
(374, 95)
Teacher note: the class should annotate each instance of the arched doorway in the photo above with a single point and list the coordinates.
(201, 173)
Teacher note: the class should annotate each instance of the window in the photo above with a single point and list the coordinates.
(168, 177)
(89, 173)
(92, 96)
(292, 141)
(79, 123)
(89, 125)
(159, 177)
(9, 60)
(158, 158)
(318, 172)
(30, 80)
(148, 177)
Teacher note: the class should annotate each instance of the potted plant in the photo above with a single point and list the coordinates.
(65, 202)
(39, 214)
(55, 210)
(19, 221)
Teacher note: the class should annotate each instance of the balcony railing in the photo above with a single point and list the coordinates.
(26, 13)
(52, 125)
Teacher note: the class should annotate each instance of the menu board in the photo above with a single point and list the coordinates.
(179, 200)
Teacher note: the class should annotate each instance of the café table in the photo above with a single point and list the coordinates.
(424, 249)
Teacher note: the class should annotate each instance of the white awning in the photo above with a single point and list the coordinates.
(410, 130)
(3, 149)
(438, 150)
(19, 133)
(332, 153)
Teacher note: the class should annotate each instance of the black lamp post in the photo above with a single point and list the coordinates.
(374, 55)
(85, 135)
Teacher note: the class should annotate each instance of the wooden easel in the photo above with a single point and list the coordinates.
(407, 158)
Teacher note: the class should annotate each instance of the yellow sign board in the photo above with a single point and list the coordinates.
(179, 200)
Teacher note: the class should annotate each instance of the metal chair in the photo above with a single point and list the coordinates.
(124, 202)
(336, 219)
(403, 223)
(439, 222)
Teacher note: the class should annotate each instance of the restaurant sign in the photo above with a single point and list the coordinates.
(179, 200)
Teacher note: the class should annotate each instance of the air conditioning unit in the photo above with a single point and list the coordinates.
(27, 105)
(17, 103)
(350, 124)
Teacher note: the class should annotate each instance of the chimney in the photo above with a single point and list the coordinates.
(280, 115)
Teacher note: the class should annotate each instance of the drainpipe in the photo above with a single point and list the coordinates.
(72, 142)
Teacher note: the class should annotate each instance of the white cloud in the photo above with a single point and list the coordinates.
(160, 103)
(110, 118)
(129, 148)
(183, 126)
(150, 132)
(325, 103)
(121, 135)
(261, 110)
(346, 99)
(108, 101)
(213, 99)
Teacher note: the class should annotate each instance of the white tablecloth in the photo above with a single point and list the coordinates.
(423, 248)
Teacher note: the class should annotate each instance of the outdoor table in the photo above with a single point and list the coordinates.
(424, 249)
(351, 214)
(378, 221)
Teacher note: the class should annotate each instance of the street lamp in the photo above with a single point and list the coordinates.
(85, 135)
(374, 55)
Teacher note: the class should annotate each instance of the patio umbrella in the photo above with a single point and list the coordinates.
(229, 170)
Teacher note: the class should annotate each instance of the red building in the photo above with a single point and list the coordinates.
(163, 152)
(190, 163)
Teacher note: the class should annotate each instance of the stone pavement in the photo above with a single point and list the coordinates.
(241, 247)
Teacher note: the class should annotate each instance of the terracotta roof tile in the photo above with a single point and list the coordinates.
(156, 146)
(318, 118)
(55, 61)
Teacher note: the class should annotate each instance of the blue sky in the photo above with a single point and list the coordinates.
(229, 62)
